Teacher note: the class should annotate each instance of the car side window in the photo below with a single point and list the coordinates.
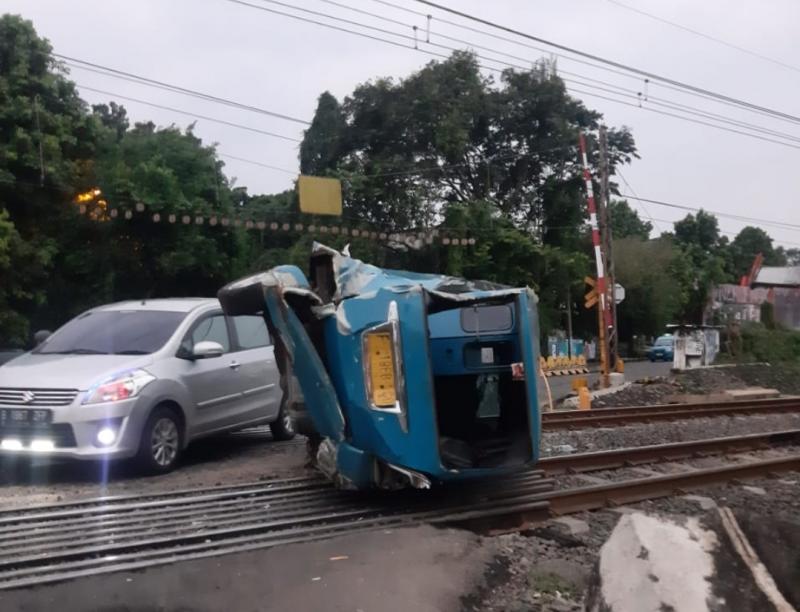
(211, 329)
(251, 332)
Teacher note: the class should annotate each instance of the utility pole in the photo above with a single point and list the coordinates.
(607, 240)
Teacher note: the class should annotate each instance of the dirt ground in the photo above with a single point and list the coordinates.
(549, 567)
(658, 389)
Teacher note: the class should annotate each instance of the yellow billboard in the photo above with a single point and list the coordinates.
(320, 196)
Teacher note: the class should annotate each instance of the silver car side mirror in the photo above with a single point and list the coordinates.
(207, 349)
(40, 336)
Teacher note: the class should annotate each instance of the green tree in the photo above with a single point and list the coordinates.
(322, 143)
(445, 135)
(707, 255)
(652, 273)
(700, 231)
(47, 145)
(626, 223)
(748, 243)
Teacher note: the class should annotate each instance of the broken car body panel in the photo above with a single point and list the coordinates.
(406, 378)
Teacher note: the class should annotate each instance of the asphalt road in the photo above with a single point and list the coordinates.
(561, 386)
(423, 569)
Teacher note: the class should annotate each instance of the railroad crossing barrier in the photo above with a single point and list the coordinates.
(563, 366)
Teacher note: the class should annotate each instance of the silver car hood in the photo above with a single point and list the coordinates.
(42, 371)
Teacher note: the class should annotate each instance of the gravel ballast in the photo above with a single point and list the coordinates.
(644, 434)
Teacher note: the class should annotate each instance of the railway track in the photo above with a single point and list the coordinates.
(623, 457)
(603, 417)
(83, 538)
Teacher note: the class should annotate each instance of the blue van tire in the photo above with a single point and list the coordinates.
(283, 428)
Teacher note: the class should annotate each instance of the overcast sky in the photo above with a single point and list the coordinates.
(281, 64)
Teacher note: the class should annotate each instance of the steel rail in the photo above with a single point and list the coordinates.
(134, 512)
(628, 491)
(598, 418)
(267, 524)
(176, 510)
(616, 458)
(176, 530)
(132, 561)
(519, 498)
(533, 506)
(188, 520)
(11, 516)
(120, 536)
(137, 524)
(180, 493)
(622, 410)
(248, 505)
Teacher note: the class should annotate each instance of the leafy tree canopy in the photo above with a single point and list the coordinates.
(626, 223)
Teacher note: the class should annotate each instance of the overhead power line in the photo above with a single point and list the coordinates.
(704, 35)
(506, 39)
(189, 113)
(776, 224)
(641, 204)
(729, 232)
(684, 118)
(643, 73)
(258, 163)
(417, 44)
(179, 89)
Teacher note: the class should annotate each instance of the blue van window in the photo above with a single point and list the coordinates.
(483, 319)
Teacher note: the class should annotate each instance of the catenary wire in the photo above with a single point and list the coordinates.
(704, 35)
(640, 203)
(377, 38)
(690, 208)
(643, 73)
(655, 100)
(183, 90)
(189, 113)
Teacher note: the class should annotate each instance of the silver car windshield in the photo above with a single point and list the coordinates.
(114, 332)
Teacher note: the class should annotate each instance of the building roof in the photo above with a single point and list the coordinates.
(788, 276)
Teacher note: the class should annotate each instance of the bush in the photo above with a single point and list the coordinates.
(773, 345)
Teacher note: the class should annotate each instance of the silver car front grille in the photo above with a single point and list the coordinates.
(36, 397)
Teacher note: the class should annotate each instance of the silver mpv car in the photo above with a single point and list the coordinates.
(141, 379)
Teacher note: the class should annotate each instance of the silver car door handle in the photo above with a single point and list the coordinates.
(234, 364)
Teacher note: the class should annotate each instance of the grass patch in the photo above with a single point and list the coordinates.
(550, 583)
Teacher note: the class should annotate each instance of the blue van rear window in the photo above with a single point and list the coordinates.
(482, 319)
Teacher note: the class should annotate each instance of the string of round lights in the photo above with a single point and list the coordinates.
(98, 210)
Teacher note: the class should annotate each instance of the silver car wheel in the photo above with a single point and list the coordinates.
(164, 442)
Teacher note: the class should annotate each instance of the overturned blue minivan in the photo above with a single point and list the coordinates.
(399, 378)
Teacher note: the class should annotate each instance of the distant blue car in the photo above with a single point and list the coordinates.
(664, 349)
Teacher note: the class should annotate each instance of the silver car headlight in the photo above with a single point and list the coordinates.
(119, 387)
